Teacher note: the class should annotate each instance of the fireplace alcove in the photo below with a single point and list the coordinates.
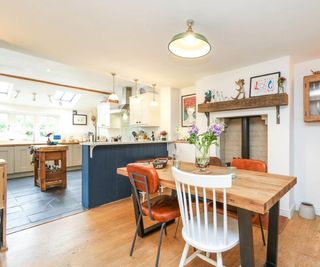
(244, 137)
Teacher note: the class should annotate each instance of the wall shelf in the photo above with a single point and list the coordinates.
(275, 100)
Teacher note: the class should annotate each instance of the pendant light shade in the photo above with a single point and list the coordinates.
(113, 97)
(154, 102)
(189, 44)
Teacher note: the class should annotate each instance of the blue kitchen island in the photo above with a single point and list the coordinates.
(100, 182)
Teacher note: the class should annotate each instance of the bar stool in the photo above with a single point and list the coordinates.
(162, 208)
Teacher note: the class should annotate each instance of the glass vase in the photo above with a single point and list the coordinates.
(202, 158)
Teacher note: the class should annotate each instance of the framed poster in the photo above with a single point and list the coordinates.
(79, 119)
(188, 110)
(266, 84)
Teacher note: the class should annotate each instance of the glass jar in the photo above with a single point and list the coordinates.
(202, 157)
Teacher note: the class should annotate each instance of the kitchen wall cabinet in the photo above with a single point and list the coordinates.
(22, 159)
(7, 153)
(103, 115)
(142, 113)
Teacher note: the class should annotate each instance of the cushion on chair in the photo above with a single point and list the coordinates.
(148, 171)
(164, 208)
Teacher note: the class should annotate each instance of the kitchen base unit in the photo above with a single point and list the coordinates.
(100, 182)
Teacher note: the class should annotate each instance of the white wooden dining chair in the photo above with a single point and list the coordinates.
(206, 231)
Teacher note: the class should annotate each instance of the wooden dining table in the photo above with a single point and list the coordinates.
(250, 192)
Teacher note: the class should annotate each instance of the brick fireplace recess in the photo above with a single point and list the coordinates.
(244, 137)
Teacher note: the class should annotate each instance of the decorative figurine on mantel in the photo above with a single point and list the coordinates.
(208, 96)
(315, 72)
(240, 90)
(281, 82)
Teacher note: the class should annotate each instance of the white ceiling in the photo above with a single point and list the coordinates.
(131, 37)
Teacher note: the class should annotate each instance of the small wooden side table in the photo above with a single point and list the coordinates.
(44, 177)
(3, 205)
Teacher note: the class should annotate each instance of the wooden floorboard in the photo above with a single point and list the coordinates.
(102, 237)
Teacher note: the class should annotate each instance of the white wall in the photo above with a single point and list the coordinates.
(306, 142)
(279, 135)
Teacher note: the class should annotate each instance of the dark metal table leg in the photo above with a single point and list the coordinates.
(273, 230)
(246, 237)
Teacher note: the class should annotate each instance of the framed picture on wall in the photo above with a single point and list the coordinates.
(188, 110)
(79, 119)
(266, 84)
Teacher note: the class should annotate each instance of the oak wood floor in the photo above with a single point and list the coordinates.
(102, 237)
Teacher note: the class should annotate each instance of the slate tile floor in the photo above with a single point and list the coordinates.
(28, 206)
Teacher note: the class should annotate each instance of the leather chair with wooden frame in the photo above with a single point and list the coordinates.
(162, 208)
(249, 165)
(215, 161)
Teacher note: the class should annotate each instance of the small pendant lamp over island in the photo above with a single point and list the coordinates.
(189, 44)
(136, 99)
(113, 97)
(154, 102)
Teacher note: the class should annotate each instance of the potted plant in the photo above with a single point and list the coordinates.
(203, 142)
(163, 136)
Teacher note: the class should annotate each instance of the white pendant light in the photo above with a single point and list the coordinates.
(189, 44)
(136, 98)
(113, 97)
(154, 102)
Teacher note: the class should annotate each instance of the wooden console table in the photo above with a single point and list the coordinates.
(3, 204)
(44, 177)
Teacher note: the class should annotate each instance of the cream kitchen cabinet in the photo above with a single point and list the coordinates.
(22, 159)
(70, 156)
(74, 155)
(7, 153)
(103, 115)
(142, 113)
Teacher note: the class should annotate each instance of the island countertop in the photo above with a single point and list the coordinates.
(123, 143)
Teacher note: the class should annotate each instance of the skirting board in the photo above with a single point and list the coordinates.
(288, 213)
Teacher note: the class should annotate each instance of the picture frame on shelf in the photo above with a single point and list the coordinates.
(266, 84)
(79, 119)
(188, 110)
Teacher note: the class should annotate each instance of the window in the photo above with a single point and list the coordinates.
(64, 96)
(47, 124)
(4, 125)
(24, 127)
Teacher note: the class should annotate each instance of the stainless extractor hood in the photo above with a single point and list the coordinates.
(124, 106)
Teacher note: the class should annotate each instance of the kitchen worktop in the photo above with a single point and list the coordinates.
(29, 143)
(123, 143)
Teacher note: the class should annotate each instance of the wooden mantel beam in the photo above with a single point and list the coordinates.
(274, 100)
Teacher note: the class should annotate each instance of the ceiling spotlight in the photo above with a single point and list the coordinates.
(189, 44)
(136, 99)
(17, 94)
(34, 96)
(113, 97)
